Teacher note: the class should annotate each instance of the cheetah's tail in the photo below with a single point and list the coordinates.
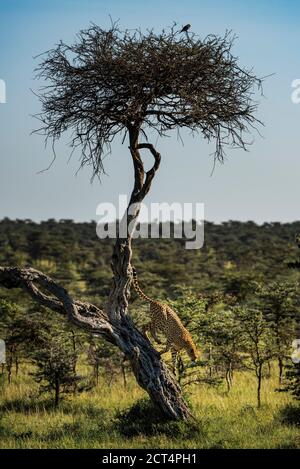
(137, 287)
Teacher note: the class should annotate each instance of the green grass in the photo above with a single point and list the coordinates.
(115, 417)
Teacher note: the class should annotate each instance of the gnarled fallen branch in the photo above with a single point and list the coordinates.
(150, 371)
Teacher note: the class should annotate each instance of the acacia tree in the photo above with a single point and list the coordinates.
(21, 332)
(257, 340)
(293, 367)
(55, 365)
(129, 83)
(280, 311)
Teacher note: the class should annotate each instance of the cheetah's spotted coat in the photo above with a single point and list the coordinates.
(165, 320)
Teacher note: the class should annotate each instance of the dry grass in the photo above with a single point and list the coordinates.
(98, 419)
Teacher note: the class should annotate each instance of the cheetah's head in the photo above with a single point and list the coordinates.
(193, 353)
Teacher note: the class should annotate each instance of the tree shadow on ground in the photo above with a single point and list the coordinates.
(143, 418)
(290, 415)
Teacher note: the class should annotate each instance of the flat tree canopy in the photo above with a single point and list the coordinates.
(112, 81)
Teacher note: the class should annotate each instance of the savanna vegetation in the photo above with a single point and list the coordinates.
(133, 84)
(73, 353)
(238, 296)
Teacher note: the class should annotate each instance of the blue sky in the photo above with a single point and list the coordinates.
(261, 185)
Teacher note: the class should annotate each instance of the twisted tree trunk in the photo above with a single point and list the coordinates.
(115, 324)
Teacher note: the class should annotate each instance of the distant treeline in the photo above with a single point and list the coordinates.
(237, 295)
(233, 253)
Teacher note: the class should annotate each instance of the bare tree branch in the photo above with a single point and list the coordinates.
(150, 371)
(83, 314)
(109, 81)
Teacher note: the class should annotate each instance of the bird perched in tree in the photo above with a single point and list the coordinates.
(185, 28)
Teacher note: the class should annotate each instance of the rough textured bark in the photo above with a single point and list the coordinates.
(149, 369)
(115, 324)
(229, 376)
(259, 380)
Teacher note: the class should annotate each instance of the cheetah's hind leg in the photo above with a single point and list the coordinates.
(174, 354)
(150, 328)
(167, 348)
(153, 333)
(145, 329)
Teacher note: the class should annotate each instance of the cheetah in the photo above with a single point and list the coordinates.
(165, 320)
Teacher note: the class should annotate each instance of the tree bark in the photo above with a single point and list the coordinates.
(96, 372)
(9, 364)
(123, 369)
(17, 365)
(259, 379)
(280, 368)
(150, 371)
(115, 324)
(9, 370)
(229, 377)
(75, 358)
